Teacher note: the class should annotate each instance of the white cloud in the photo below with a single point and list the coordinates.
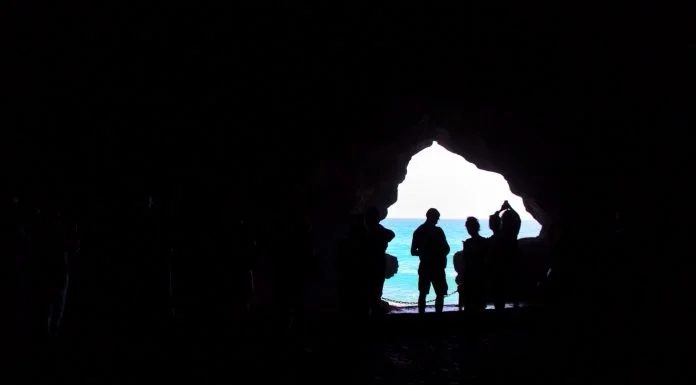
(438, 178)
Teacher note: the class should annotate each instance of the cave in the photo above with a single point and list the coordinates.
(154, 131)
(438, 178)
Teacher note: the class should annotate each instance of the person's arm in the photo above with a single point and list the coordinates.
(459, 260)
(445, 245)
(414, 244)
(467, 253)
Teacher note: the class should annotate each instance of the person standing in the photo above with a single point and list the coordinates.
(503, 267)
(378, 238)
(471, 269)
(510, 224)
(430, 245)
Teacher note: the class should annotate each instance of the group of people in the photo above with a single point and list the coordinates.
(487, 268)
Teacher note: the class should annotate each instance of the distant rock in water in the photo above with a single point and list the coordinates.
(392, 266)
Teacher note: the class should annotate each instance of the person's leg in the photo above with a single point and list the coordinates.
(477, 295)
(480, 301)
(499, 303)
(439, 303)
(440, 285)
(498, 291)
(515, 285)
(469, 297)
(421, 302)
(460, 289)
(423, 289)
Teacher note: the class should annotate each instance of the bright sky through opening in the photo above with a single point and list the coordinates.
(438, 178)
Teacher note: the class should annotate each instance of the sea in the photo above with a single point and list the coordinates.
(403, 287)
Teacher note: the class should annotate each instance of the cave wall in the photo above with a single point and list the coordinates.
(270, 114)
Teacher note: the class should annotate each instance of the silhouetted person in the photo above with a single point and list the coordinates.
(471, 285)
(505, 224)
(458, 262)
(351, 261)
(494, 222)
(493, 261)
(430, 245)
(510, 228)
(378, 240)
(510, 221)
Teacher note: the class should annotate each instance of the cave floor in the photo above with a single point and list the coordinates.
(442, 359)
(431, 349)
(449, 348)
(406, 349)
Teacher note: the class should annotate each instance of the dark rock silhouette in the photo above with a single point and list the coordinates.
(353, 265)
(392, 266)
(534, 263)
(585, 112)
(378, 238)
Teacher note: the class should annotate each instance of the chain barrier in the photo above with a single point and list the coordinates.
(414, 303)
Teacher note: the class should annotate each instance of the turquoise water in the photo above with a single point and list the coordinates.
(404, 285)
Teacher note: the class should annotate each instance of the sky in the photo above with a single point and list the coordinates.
(438, 178)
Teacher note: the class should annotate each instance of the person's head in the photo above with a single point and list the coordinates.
(432, 216)
(372, 216)
(472, 226)
(510, 223)
(494, 222)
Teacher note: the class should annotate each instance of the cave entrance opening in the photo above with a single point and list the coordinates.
(458, 189)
